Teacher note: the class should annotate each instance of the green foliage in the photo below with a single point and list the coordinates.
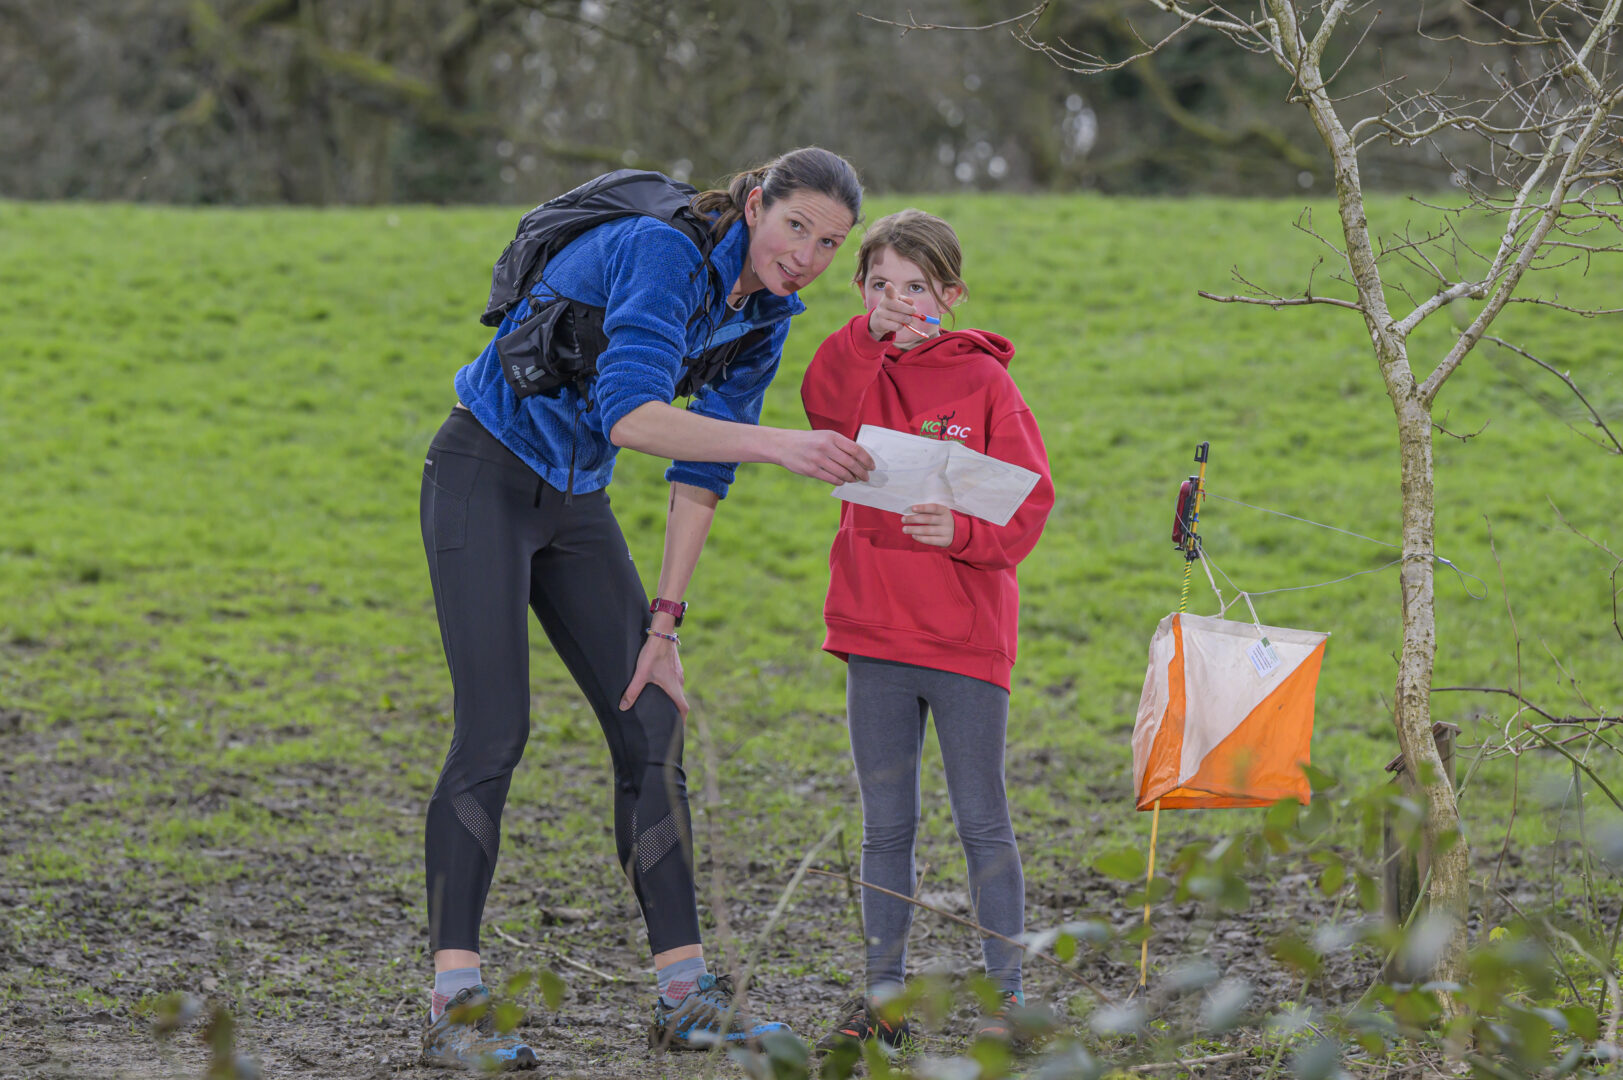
(552, 988)
(1123, 864)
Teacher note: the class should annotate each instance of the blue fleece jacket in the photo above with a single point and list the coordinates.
(650, 280)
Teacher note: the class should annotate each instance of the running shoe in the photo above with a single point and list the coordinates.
(465, 1037)
(697, 1022)
(1005, 1025)
(863, 1021)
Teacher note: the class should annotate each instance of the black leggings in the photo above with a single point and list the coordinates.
(499, 538)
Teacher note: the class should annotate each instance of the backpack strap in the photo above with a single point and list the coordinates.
(559, 342)
(712, 365)
(555, 224)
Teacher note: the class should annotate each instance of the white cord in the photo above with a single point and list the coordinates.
(1463, 575)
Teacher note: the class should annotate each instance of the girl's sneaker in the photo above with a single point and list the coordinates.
(697, 1022)
(864, 1021)
(465, 1037)
(1002, 1026)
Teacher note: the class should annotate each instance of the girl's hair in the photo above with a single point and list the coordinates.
(809, 168)
(923, 240)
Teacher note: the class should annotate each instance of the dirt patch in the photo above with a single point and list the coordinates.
(317, 946)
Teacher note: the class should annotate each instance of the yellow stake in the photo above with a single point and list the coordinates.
(1155, 816)
(1144, 949)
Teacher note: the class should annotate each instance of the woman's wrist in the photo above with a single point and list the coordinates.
(663, 622)
(769, 445)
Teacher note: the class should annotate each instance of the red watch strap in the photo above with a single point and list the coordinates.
(678, 608)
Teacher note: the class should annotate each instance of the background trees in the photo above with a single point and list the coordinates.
(370, 101)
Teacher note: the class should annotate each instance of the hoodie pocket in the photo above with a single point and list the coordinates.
(913, 590)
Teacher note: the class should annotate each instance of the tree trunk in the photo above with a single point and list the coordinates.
(1447, 853)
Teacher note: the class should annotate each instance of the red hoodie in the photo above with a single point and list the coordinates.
(890, 597)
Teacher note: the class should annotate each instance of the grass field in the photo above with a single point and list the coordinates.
(222, 699)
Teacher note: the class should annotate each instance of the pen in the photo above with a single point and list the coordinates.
(933, 320)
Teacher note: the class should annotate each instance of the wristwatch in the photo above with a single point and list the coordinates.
(669, 607)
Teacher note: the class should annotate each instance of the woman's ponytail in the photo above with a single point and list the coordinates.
(808, 169)
(728, 203)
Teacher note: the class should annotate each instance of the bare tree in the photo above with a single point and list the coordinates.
(1542, 175)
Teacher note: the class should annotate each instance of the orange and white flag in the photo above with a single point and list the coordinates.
(1226, 717)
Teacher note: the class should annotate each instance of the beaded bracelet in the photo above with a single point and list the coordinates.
(668, 637)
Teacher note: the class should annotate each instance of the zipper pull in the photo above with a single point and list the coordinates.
(574, 443)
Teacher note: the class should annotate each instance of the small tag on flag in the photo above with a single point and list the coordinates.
(1263, 657)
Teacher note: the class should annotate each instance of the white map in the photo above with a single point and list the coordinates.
(910, 469)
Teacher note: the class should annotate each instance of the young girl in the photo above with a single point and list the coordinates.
(924, 606)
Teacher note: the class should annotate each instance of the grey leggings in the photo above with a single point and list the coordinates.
(886, 703)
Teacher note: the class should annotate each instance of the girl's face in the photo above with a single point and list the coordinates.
(910, 282)
(791, 241)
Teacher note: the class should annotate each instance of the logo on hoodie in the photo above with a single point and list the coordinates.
(943, 428)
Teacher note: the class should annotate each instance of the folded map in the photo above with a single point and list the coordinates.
(910, 470)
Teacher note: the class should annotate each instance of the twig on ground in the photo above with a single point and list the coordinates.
(845, 865)
(1419, 901)
(712, 802)
(1184, 1063)
(977, 927)
(772, 920)
(558, 956)
(1544, 940)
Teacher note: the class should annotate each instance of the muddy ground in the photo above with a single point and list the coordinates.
(318, 948)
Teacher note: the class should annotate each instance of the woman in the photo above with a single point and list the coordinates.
(515, 512)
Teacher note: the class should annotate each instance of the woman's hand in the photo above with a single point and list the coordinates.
(929, 523)
(894, 315)
(660, 664)
(822, 455)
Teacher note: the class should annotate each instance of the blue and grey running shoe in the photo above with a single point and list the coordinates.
(465, 1037)
(696, 1023)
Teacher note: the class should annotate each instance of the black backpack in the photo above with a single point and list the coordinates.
(558, 343)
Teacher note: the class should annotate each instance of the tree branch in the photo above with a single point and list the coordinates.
(1567, 720)
(1438, 425)
(1279, 302)
(913, 24)
(1315, 49)
(1617, 447)
(1510, 276)
(1588, 313)
(1617, 562)
(1275, 139)
(1231, 25)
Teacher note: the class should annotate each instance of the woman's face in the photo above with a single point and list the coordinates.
(791, 241)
